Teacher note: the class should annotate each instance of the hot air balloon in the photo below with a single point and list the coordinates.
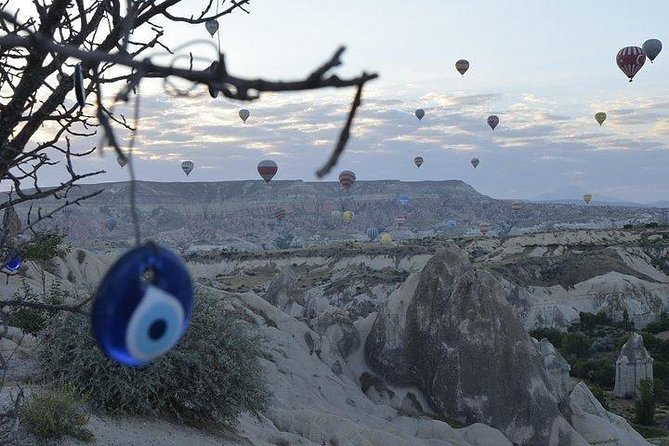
(12, 263)
(372, 233)
(652, 48)
(400, 219)
(296, 243)
(600, 117)
(280, 214)
(386, 239)
(110, 224)
(122, 161)
(187, 166)
(587, 198)
(403, 199)
(79, 89)
(493, 120)
(212, 26)
(630, 60)
(451, 224)
(348, 216)
(475, 162)
(244, 114)
(267, 169)
(484, 228)
(418, 161)
(346, 179)
(462, 66)
(516, 206)
(420, 113)
(335, 216)
(67, 212)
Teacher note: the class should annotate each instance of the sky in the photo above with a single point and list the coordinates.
(545, 68)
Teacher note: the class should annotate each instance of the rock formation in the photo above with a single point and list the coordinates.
(449, 332)
(556, 366)
(633, 365)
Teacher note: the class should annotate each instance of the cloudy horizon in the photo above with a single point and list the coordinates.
(545, 70)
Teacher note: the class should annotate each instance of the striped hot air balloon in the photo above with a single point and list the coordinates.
(187, 166)
(400, 219)
(462, 66)
(493, 120)
(403, 199)
(267, 169)
(372, 233)
(630, 60)
(516, 206)
(280, 214)
(418, 161)
(484, 228)
(347, 179)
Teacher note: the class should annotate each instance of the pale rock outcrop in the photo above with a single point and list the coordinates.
(598, 426)
(455, 338)
(556, 366)
(634, 364)
(282, 291)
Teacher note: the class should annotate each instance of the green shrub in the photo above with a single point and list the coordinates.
(598, 393)
(590, 321)
(81, 256)
(55, 413)
(212, 375)
(30, 320)
(644, 406)
(601, 372)
(576, 344)
(659, 325)
(554, 335)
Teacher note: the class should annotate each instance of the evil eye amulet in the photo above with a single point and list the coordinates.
(135, 320)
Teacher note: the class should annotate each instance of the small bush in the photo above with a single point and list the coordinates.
(213, 374)
(598, 393)
(28, 319)
(554, 335)
(576, 344)
(54, 414)
(644, 406)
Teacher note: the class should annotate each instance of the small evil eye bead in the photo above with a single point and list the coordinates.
(12, 263)
(134, 319)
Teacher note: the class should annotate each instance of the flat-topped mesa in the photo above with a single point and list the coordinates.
(634, 364)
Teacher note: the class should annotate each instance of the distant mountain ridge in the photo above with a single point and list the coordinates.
(574, 195)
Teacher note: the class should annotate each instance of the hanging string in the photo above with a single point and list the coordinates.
(218, 31)
(133, 179)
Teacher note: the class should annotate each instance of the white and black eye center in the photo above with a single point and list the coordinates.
(155, 325)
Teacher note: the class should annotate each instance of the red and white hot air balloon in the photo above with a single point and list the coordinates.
(346, 179)
(267, 169)
(484, 228)
(516, 206)
(630, 60)
(418, 161)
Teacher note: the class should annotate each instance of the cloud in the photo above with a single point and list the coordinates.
(538, 146)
